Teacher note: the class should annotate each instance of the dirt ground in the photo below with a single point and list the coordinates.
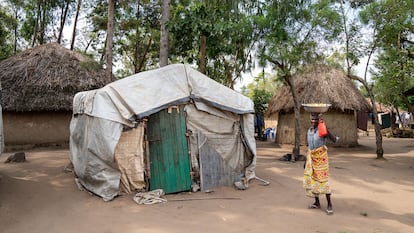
(369, 195)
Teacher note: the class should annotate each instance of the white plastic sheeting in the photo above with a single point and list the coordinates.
(99, 117)
(92, 146)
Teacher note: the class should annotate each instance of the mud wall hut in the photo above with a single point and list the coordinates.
(38, 86)
(319, 84)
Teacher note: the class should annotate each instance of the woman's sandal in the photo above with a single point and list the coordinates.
(313, 206)
(329, 211)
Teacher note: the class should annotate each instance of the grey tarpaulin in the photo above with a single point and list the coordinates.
(99, 117)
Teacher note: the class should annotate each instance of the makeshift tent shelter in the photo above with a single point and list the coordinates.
(171, 128)
(38, 89)
(319, 84)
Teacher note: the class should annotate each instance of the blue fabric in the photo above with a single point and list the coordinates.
(314, 140)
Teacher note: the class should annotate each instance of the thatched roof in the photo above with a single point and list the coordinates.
(320, 84)
(46, 77)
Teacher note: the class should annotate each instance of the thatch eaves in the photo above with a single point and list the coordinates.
(46, 78)
(320, 84)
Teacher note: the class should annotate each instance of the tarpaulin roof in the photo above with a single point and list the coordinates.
(148, 92)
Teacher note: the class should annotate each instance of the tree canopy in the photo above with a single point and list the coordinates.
(225, 39)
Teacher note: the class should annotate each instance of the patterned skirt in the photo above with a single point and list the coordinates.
(316, 173)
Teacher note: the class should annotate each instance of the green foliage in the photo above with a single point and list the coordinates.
(43, 18)
(291, 31)
(394, 22)
(352, 44)
(229, 37)
(136, 33)
(6, 25)
(290, 34)
(392, 79)
(260, 99)
(99, 15)
(138, 36)
(336, 59)
(90, 65)
(261, 91)
(186, 26)
(364, 91)
(264, 81)
(360, 3)
(390, 17)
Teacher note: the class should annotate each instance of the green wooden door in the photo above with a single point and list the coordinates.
(169, 160)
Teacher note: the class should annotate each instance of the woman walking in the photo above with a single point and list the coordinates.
(316, 171)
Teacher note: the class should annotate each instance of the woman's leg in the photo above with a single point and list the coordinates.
(316, 204)
(329, 209)
(328, 199)
(317, 201)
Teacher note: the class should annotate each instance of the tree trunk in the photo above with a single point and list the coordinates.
(202, 67)
(144, 56)
(164, 41)
(135, 60)
(228, 69)
(110, 33)
(72, 44)
(296, 147)
(36, 26)
(377, 127)
(408, 104)
(403, 97)
(63, 20)
(15, 32)
(378, 135)
(43, 24)
(89, 42)
(103, 55)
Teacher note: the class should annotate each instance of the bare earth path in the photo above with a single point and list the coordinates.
(368, 196)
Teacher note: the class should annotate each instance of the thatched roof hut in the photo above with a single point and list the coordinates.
(46, 78)
(319, 84)
(38, 86)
